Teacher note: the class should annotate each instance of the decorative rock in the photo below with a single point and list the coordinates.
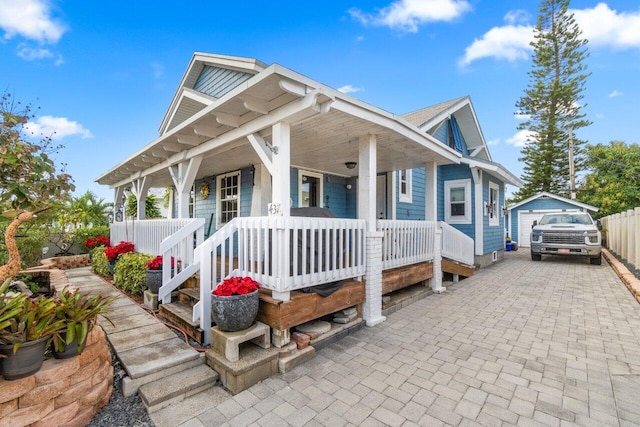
(301, 340)
(350, 311)
(315, 326)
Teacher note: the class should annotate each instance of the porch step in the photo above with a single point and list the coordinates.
(453, 267)
(180, 314)
(175, 388)
(189, 295)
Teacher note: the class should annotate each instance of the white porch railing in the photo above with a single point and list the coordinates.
(181, 247)
(623, 235)
(456, 245)
(406, 242)
(147, 234)
(281, 253)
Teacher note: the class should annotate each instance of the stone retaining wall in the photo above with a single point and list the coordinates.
(65, 392)
(67, 262)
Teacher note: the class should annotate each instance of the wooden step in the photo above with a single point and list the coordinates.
(457, 268)
(174, 388)
(189, 295)
(180, 314)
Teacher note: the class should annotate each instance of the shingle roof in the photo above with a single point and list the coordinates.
(422, 116)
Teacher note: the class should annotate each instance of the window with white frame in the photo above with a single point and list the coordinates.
(457, 201)
(494, 200)
(310, 188)
(405, 186)
(228, 200)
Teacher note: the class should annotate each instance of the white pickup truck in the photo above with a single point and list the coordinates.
(567, 233)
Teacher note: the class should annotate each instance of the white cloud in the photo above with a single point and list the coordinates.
(349, 89)
(158, 70)
(56, 128)
(408, 15)
(30, 54)
(615, 94)
(30, 19)
(521, 138)
(604, 27)
(493, 142)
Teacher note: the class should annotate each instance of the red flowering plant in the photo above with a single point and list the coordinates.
(112, 253)
(235, 286)
(156, 263)
(98, 241)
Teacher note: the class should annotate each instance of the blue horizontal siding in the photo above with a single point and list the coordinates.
(493, 236)
(216, 81)
(452, 173)
(415, 209)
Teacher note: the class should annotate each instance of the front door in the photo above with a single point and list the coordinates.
(310, 193)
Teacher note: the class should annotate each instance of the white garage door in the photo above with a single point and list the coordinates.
(525, 221)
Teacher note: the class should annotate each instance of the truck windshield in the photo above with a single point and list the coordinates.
(577, 218)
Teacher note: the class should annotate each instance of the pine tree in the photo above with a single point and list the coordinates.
(551, 102)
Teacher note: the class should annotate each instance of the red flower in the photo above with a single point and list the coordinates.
(112, 253)
(98, 241)
(156, 263)
(235, 286)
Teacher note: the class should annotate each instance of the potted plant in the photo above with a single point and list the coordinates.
(26, 325)
(79, 313)
(154, 273)
(113, 252)
(234, 303)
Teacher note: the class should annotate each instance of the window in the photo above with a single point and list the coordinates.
(309, 189)
(457, 201)
(404, 182)
(228, 191)
(493, 208)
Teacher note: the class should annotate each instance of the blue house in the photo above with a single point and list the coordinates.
(520, 216)
(243, 144)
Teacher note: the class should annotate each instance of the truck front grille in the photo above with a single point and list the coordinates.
(563, 238)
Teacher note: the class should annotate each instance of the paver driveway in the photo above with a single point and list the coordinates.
(520, 343)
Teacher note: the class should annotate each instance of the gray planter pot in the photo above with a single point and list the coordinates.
(154, 280)
(26, 361)
(236, 312)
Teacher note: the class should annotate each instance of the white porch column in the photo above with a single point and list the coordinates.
(436, 280)
(280, 196)
(431, 191)
(372, 310)
(183, 174)
(140, 189)
(479, 210)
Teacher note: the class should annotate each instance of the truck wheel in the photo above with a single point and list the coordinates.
(596, 260)
(536, 257)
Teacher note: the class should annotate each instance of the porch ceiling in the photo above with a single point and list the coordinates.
(325, 127)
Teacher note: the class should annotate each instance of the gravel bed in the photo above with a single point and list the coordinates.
(121, 411)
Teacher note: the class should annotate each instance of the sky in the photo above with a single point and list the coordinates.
(102, 73)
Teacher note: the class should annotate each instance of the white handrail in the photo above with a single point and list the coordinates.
(180, 247)
(406, 242)
(281, 253)
(456, 245)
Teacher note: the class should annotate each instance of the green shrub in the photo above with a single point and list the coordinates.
(30, 241)
(99, 261)
(130, 272)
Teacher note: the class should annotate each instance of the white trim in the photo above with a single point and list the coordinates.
(476, 173)
(454, 184)
(494, 219)
(219, 179)
(553, 196)
(407, 196)
(320, 177)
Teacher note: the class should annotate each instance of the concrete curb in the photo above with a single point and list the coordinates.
(627, 277)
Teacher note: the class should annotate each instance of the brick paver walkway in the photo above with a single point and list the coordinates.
(521, 343)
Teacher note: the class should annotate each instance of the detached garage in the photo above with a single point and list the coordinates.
(520, 216)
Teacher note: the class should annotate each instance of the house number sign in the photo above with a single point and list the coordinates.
(274, 209)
